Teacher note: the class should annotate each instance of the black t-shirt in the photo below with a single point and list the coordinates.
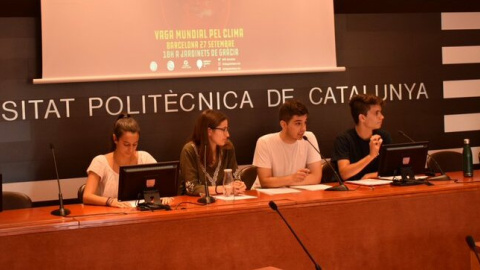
(350, 146)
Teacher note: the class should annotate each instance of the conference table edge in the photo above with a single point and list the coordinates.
(86, 216)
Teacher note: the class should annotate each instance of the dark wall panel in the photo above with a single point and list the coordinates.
(391, 50)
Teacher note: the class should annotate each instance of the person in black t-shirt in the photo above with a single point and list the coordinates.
(356, 150)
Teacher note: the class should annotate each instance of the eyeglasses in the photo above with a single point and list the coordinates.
(225, 129)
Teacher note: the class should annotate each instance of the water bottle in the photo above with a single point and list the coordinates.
(467, 159)
(227, 182)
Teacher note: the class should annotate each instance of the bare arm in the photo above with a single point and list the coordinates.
(89, 196)
(348, 170)
(315, 175)
(305, 176)
(239, 187)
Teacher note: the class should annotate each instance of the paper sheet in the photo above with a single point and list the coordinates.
(370, 182)
(234, 198)
(274, 191)
(312, 187)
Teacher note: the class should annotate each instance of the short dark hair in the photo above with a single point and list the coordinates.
(290, 108)
(360, 104)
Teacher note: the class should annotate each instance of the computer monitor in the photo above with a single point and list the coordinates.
(133, 180)
(403, 159)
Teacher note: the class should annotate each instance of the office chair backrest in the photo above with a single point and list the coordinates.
(1, 191)
(15, 200)
(449, 161)
(81, 189)
(248, 174)
(327, 173)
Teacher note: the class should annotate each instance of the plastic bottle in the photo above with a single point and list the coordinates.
(227, 182)
(467, 159)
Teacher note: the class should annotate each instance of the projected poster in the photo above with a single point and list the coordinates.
(89, 39)
(198, 35)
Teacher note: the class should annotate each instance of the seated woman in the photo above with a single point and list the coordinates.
(210, 134)
(103, 170)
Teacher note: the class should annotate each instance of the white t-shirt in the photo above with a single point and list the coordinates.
(283, 158)
(108, 185)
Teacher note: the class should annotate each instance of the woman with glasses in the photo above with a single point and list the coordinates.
(206, 155)
(102, 180)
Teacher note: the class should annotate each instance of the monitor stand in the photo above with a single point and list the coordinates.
(408, 178)
(152, 201)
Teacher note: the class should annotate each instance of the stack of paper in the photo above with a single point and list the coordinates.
(370, 182)
(274, 191)
(234, 198)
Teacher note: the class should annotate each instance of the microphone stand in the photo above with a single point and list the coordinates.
(473, 247)
(61, 211)
(207, 199)
(341, 185)
(442, 175)
(274, 207)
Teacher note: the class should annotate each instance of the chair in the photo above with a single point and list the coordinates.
(248, 175)
(327, 173)
(81, 189)
(449, 161)
(15, 200)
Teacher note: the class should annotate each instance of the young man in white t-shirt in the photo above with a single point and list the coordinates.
(285, 158)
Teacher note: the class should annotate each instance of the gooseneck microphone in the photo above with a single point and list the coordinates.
(61, 211)
(341, 185)
(442, 175)
(207, 199)
(473, 247)
(274, 207)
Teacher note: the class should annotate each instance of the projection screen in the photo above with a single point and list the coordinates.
(101, 40)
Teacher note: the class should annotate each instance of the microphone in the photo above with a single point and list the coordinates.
(207, 199)
(442, 175)
(61, 211)
(473, 247)
(341, 186)
(274, 207)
